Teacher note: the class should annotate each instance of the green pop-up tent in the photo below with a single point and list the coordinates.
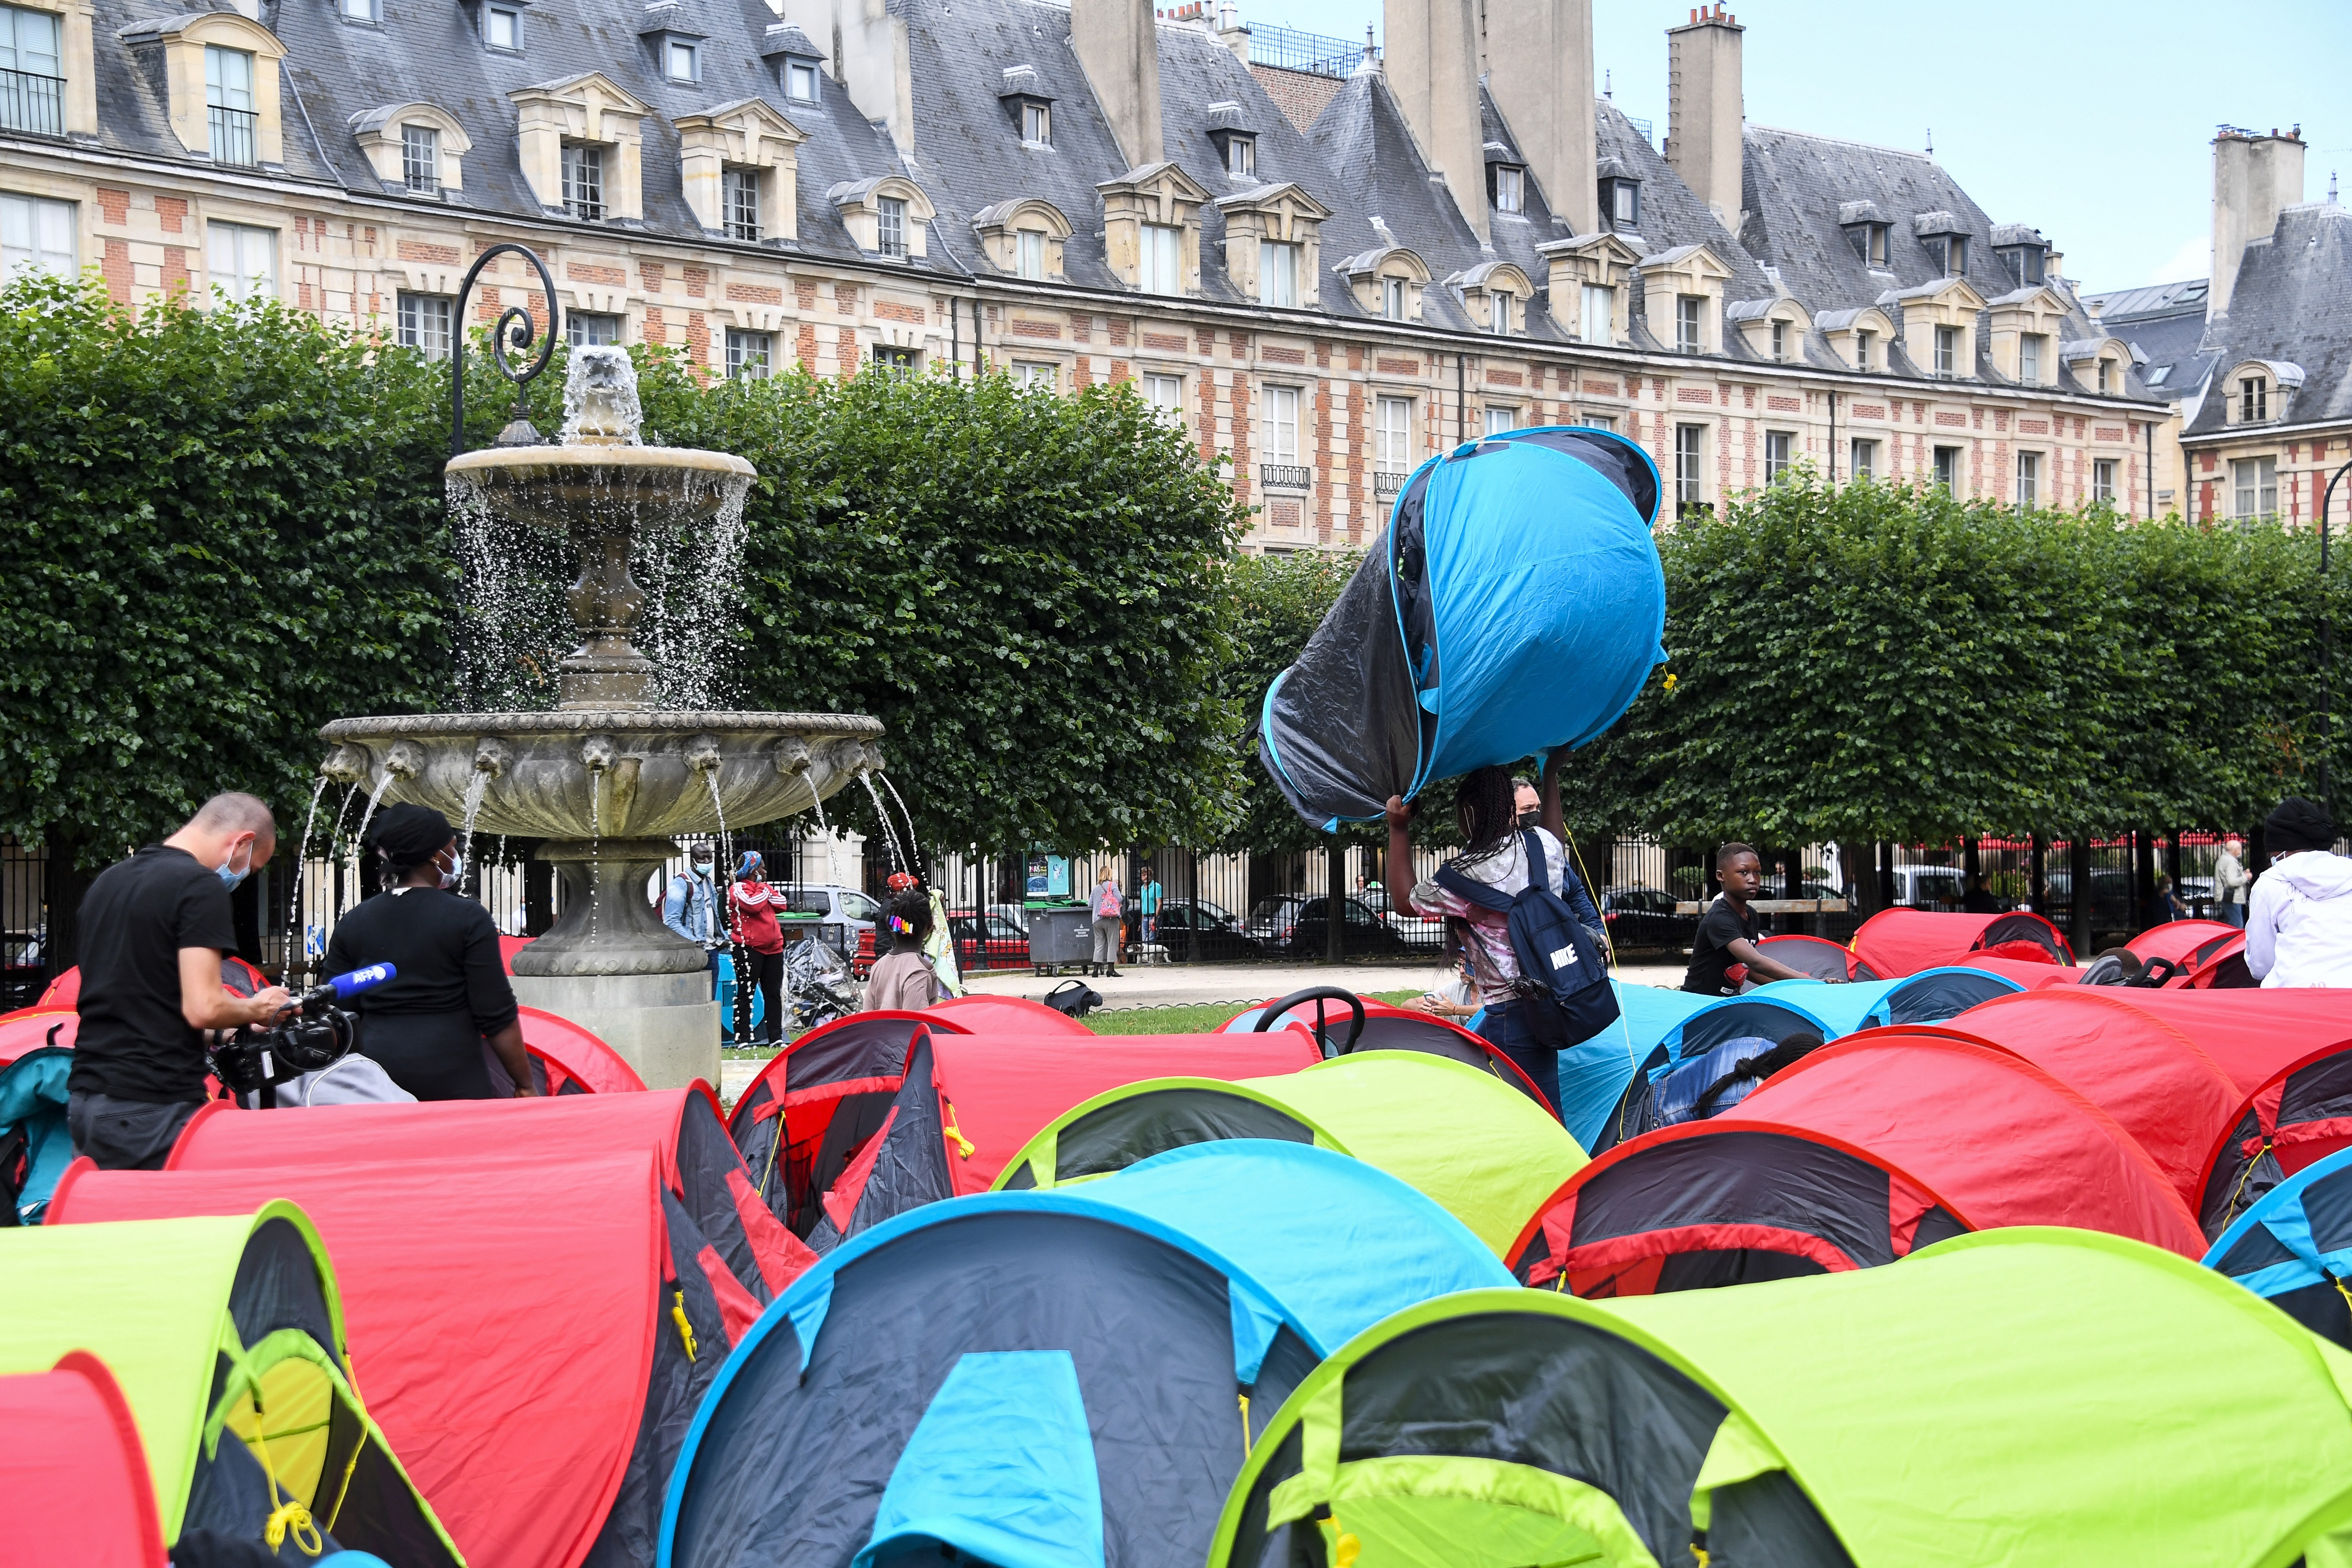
(2030, 1398)
(1466, 1138)
(227, 1337)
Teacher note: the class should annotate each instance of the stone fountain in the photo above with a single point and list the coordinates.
(606, 777)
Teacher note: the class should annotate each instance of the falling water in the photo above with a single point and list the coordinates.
(914, 850)
(725, 852)
(595, 839)
(897, 857)
(368, 816)
(302, 856)
(475, 788)
(832, 874)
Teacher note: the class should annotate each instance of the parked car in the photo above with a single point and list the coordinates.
(846, 919)
(2111, 896)
(1420, 931)
(1930, 887)
(22, 975)
(1219, 932)
(987, 940)
(1306, 934)
(1639, 917)
(1273, 914)
(1018, 914)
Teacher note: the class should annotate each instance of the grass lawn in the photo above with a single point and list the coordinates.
(1201, 1019)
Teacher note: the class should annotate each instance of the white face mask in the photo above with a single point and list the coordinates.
(455, 872)
(225, 872)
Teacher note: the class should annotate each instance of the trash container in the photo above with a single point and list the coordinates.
(1059, 938)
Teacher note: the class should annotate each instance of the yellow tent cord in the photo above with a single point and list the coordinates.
(1608, 941)
(2340, 1291)
(2244, 1177)
(964, 1145)
(677, 1316)
(287, 1517)
(771, 1168)
(1245, 1429)
(344, 1491)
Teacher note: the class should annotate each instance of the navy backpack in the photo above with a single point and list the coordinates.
(1565, 974)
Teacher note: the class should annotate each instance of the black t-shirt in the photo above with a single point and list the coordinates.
(1710, 949)
(444, 946)
(133, 1042)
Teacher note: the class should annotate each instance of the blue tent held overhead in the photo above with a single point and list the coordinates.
(1514, 605)
(1930, 996)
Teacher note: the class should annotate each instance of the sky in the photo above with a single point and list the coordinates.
(2092, 122)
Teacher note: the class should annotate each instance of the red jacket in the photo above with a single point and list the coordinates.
(753, 916)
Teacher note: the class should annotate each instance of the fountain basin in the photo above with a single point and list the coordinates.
(570, 488)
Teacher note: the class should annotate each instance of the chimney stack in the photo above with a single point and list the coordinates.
(1539, 67)
(1433, 68)
(1117, 46)
(1704, 109)
(2253, 176)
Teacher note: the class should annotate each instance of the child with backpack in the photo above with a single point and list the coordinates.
(1513, 906)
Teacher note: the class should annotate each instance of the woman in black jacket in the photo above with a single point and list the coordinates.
(428, 1025)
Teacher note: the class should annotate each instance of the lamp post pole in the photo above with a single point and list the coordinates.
(2326, 650)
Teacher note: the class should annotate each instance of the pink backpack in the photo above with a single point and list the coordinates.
(1107, 901)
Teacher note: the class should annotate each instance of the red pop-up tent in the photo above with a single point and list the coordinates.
(575, 1060)
(1900, 941)
(983, 1014)
(2034, 976)
(517, 1322)
(1388, 1027)
(73, 1484)
(818, 1100)
(1863, 1153)
(30, 1029)
(969, 1103)
(2187, 943)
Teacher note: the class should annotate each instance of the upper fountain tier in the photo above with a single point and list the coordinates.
(606, 763)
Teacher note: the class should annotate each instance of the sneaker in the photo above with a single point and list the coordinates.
(1111, 973)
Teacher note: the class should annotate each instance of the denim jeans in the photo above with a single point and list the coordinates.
(1504, 1027)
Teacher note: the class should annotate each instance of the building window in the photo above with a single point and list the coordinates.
(1165, 394)
(1277, 274)
(584, 180)
(1870, 244)
(1510, 189)
(1690, 448)
(228, 106)
(1501, 420)
(1037, 124)
(420, 159)
(243, 260)
(1948, 350)
(1600, 421)
(2103, 480)
(897, 361)
(1947, 467)
(890, 228)
(32, 72)
(800, 81)
(1621, 203)
(2253, 399)
(2029, 479)
(588, 330)
(740, 200)
(35, 235)
(2256, 482)
(1241, 156)
(1862, 345)
(1504, 305)
(1687, 323)
(2106, 377)
(1043, 377)
(361, 11)
(1282, 425)
(1392, 299)
(748, 354)
(1161, 267)
(1956, 255)
(1392, 435)
(2029, 358)
(1865, 460)
(1029, 253)
(502, 28)
(682, 61)
(1779, 341)
(423, 321)
(1779, 446)
(1600, 315)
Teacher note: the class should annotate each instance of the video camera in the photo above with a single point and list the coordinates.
(311, 1034)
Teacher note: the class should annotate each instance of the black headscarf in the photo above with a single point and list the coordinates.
(2297, 824)
(409, 835)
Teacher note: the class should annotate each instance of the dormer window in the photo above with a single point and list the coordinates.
(800, 80)
(1956, 255)
(682, 61)
(1030, 253)
(1620, 203)
(420, 159)
(2253, 399)
(1037, 123)
(31, 64)
(415, 148)
(740, 189)
(2106, 376)
(1392, 299)
(502, 28)
(1506, 309)
(584, 180)
(1277, 274)
(1869, 241)
(1509, 187)
(2023, 251)
(229, 105)
(1864, 345)
(890, 227)
(362, 11)
(1241, 156)
(2029, 358)
(1779, 343)
(1687, 323)
(1948, 350)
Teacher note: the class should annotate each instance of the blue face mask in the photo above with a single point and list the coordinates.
(231, 879)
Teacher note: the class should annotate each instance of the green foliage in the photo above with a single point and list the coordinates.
(1874, 662)
(1278, 601)
(223, 528)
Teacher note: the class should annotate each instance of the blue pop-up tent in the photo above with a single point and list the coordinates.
(1515, 606)
(1593, 1074)
(1716, 1021)
(1930, 996)
(2293, 1246)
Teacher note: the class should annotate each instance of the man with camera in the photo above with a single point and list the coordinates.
(154, 929)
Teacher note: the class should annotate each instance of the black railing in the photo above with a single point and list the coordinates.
(1385, 483)
(1283, 476)
(34, 103)
(236, 136)
(1290, 49)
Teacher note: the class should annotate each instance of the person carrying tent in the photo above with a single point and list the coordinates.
(902, 980)
(1504, 859)
(154, 929)
(1729, 932)
(449, 995)
(2299, 921)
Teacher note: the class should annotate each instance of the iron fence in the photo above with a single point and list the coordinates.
(1290, 49)
(234, 135)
